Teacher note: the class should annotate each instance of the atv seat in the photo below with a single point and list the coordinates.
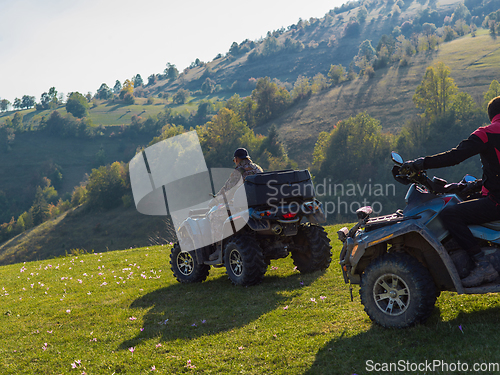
(495, 225)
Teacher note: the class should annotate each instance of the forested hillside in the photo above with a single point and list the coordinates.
(334, 94)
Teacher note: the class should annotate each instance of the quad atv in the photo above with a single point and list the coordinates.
(403, 261)
(281, 217)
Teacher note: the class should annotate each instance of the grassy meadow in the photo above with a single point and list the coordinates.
(123, 312)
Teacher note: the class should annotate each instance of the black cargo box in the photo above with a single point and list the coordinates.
(271, 188)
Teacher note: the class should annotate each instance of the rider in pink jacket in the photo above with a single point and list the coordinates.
(485, 141)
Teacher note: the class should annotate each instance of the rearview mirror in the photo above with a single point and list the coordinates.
(396, 158)
(364, 212)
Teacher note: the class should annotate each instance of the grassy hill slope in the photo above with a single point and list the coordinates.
(76, 156)
(325, 42)
(123, 313)
(79, 231)
(388, 96)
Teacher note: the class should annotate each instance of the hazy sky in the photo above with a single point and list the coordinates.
(75, 45)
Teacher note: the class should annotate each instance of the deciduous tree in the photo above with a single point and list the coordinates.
(4, 105)
(336, 74)
(128, 88)
(17, 121)
(270, 98)
(17, 103)
(171, 72)
(44, 101)
(117, 87)
(463, 106)
(352, 150)
(104, 92)
(319, 83)
(301, 89)
(106, 186)
(436, 91)
(28, 101)
(224, 133)
(208, 86)
(138, 80)
(180, 96)
(493, 92)
(152, 79)
(77, 105)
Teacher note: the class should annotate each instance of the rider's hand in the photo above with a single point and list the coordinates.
(472, 187)
(412, 166)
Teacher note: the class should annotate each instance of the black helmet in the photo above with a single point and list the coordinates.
(241, 153)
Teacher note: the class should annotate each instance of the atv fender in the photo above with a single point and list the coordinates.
(234, 223)
(198, 231)
(411, 232)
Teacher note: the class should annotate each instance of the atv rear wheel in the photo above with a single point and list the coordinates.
(315, 254)
(397, 291)
(244, 260)
(185, 266)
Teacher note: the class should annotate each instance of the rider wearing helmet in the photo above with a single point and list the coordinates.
(485, 141)
(244, 166)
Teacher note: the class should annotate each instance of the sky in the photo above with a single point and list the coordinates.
(76, 45)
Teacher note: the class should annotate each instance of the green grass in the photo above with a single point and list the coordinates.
(94, 308)
(118, 114)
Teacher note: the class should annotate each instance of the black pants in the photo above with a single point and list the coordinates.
(456, 218)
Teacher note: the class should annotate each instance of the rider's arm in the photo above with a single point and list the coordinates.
(467, 148)
(230, 183)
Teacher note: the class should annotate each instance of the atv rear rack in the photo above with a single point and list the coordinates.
(382, 221)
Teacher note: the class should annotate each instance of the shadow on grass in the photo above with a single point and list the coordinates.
(124, 114)
(469, 338)
(115, 106)
(188, 311)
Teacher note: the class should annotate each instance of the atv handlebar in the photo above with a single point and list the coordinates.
(465, 188)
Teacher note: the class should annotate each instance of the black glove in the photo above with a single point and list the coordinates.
(402, 179)
(412, 166)
(471, 188)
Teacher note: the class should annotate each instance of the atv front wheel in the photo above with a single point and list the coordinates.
(185, 266)
(244, 261)
(397, 291)
(314, 249)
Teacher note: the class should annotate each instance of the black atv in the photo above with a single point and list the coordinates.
(281, 216)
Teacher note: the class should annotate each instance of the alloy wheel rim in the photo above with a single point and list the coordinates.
(185, 263)
(391, 294)
(236, 262)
